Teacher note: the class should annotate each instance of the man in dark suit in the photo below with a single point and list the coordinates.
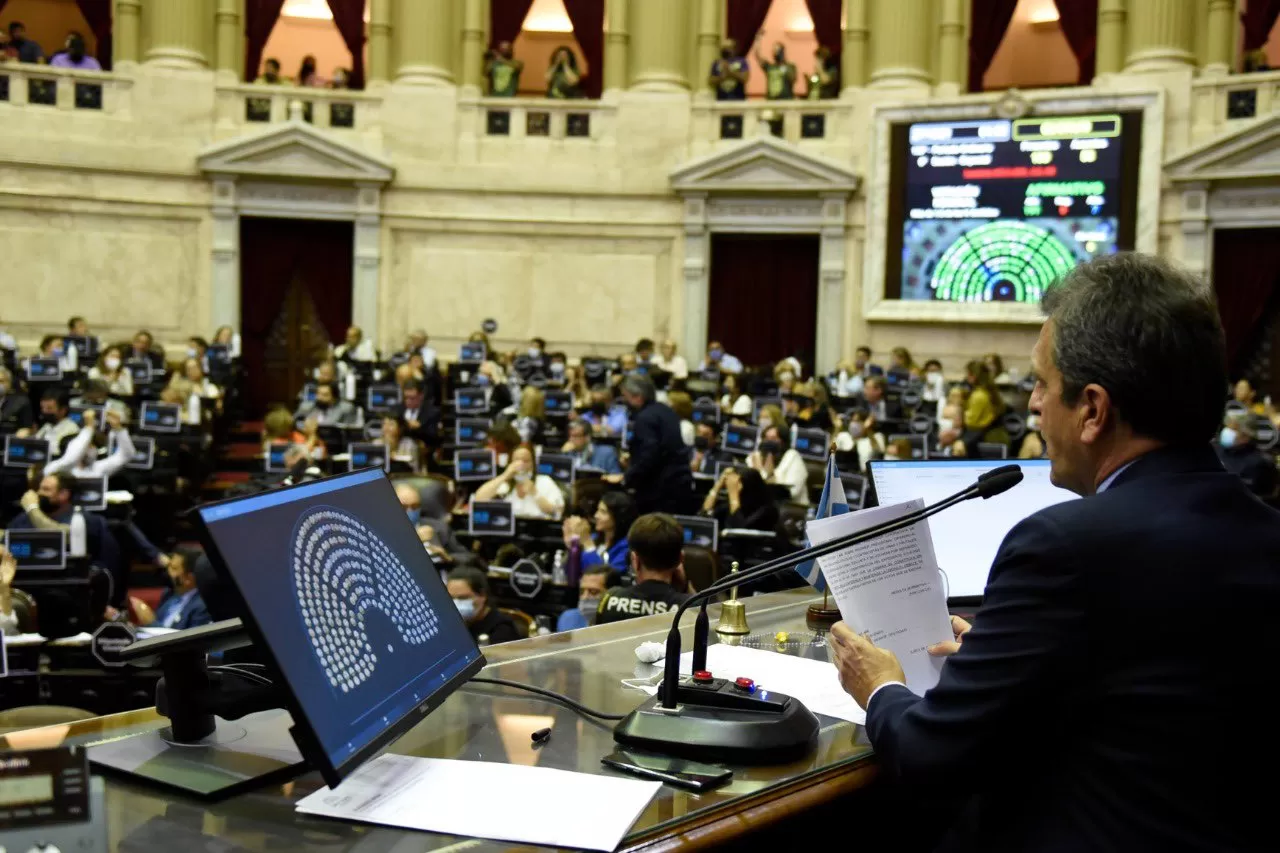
(1110, 693)
(1242, 457)
(659, 468)
(49, 507)
(15, 407)
(421, 419)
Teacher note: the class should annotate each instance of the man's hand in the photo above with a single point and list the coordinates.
(114, 421)
(89, 418)
(311, 428)
(863, 666)
(576, 525)
(8, 568)
(25, 432)
(959, 628)
(612, 478)
(29, 501)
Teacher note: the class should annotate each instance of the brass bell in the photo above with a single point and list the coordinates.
(733, 613)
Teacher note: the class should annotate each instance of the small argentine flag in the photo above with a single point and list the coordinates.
(833, 502)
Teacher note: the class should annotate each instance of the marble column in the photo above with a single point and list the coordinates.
(659, 45)
(953, 47)
(1111, 36)
(710, 26)
(853, 62)
(424, 36)
(229, 46)
(379, 68)
(1161, 35)
(125, 34)
(1220, 33)
(617, 45)
(474, 36)
(178, 33)
(901, 39)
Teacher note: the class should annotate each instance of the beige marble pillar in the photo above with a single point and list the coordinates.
(1161, 35)
(617, 45)
(229, 40)
(1112, 23)
(659, 45)
(379, 67)
(710, 34)
(953, 47)
(425, 35)
(1220, 33)
(853, 61)
(125, 34)
(901, 40)
(474, 35)
(178, 34)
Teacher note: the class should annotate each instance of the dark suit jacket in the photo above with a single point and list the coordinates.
(659, 469)
(428, 431)
(15, 412)
(1256, 468)
(103, 548)
(1111, 693)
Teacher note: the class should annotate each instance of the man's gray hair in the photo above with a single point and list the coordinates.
(1149, 333)
(639, 386)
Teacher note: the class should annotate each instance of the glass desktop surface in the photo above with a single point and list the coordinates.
(480, 723)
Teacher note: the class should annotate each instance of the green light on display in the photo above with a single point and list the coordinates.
(1003, 261)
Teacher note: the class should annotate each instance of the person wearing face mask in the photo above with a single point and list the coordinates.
(947, 441)
(1032, 444)
(110, 369)
(706, 449)
(181, 607)
(604, 418)
(588, 454)
(591, 589)
(327, 409)
(779, 463)
(530, 494)
(1242, 457)
(432, 525)
(81, 456)
(718, 359)
(53, 346)
(469, 589)
(15, 407)
(734, 401)
(73, 55)
(658, 471)
(935, 384)
(729, 73)
(55, 419)
(536, 351)
(49, 508)
(779, 74)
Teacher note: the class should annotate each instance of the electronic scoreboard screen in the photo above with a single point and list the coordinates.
(995, 210)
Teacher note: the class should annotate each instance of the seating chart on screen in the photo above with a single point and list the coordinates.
(342, 571)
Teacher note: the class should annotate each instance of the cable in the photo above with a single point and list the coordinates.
(245, 674)
(552, 695)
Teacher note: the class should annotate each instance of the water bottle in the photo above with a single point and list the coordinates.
(79, 543)
(349, 387)
(558, 576)
(573, 567)
(193, 408)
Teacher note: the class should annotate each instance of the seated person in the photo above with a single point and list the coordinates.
(1245, 394)
(81, 457)
(15, 406)
(53, 346)
(421, 419)
(782, 464)
(355, 348)
(614, 515)
(899, 449)
(588, 454)
(1243, 458)
(602, 417)
(50, 508)
(433, 527)
(327, 409)
(751, 507)
(706, 449)
(875, 401)
(531, 415)
(181, 607)
(503, 440)
(202, 385)
(985, 408)
(278, 429)
(55, 419)
(1032, 444)
(734, 401)
(490, 375)
(530, 494)
(96, 393)
(111, 370)
(9, 619)
(657, 561)
(144, 349)
(400, 446)
(591, 587)
(469, 589)
(948, 441)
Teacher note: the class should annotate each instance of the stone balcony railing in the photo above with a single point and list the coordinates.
(41, 87)
(1218, 103)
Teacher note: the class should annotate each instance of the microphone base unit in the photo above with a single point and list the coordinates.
(717, 720)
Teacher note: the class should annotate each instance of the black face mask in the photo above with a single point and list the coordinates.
(700, 442)
(599, 409)
(324, 407)
(770, 448)
(779, 55)
(47, 418)
(48, 505)
(725, 53)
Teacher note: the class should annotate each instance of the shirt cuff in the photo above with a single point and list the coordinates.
(872, 697)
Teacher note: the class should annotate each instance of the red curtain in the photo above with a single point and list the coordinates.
(987, 27)
(1246, 270)
(826, 24)
(1079, 22)
(260, 18)
(506, 17)
(1258, 20)
(588, 28)
(97, 14)
(744, 20)
(348, 17)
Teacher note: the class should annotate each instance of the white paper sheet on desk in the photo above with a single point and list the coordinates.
(535, 805)
(889, 587)
(815, 683)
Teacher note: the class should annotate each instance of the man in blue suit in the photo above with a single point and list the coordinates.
(587, 453)
(1111, 692)
(182, 607)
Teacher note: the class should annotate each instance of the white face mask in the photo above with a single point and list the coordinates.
(191, 352)
(786, 376)
(946, 425)
(112, 362)
(1033, 423)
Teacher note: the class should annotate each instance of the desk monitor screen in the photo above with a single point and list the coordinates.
(471, 431)
(37, 549)
(90, 494)
(813, 444)
(559, 402)
(705, 412)
(144, 452)
(472, 353)
(86, 347)
(348, 606)
(368, 454)
(491, 518)
(471, 401)
(966, 537)
(25, 452)
(140, 370)
(557, 466)
(740, 439)
(274, 459)
(382, 398)
(44, 369)
(161, 417)
(699, 530)
(474, 465)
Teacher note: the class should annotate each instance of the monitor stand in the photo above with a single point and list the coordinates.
(236, 756)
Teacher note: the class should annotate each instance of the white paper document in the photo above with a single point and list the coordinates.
(889, 587)
(536, 805)
(814, 682)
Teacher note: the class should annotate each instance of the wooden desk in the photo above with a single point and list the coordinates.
(493, 724)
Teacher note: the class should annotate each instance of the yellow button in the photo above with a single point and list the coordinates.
(781, 636)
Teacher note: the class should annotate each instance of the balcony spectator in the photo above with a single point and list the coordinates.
(341, 79)
(824, 82)
(564, 81)
(270, 75)
(22, 47)
(74, 56)
(779, 74)
(502, 71)
(307, 76)
(728, 78)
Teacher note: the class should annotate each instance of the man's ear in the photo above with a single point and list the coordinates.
(1095, 413)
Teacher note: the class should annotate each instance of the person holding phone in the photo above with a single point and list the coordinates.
(780, 463)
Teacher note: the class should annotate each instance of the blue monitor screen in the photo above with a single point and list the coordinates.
(349, 604)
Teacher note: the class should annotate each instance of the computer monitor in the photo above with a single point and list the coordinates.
(161, 417)
(347, 606)
(966, 536)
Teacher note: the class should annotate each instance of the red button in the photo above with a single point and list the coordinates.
(702, 676)
(745, 684)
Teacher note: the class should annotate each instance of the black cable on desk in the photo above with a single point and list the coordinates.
(552, 695)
